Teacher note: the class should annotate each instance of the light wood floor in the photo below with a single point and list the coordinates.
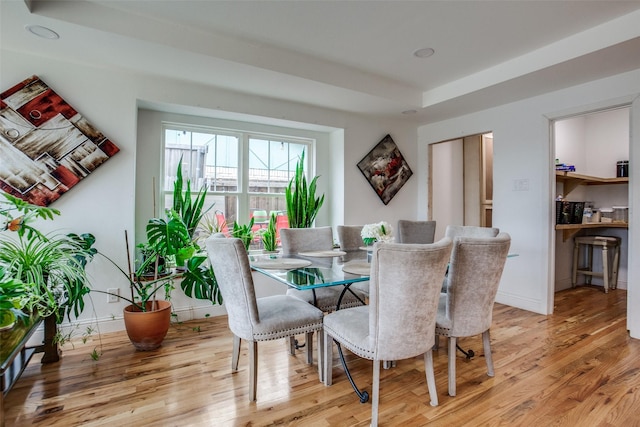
(577, 367)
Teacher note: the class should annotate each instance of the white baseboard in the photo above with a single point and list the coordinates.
(116, 323)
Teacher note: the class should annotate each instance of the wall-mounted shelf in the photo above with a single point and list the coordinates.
(570, 230)
(571, 180)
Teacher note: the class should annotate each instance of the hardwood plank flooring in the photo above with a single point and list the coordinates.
(577, 367)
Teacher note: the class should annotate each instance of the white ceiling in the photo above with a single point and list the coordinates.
(355, 56)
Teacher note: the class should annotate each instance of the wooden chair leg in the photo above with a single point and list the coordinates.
(605, 268)
(431, 379)
(292, 345)
(309, 346)
(375, 393)
(328, 359)
(486, 342)
(235, 357)
(589, 264)
(321, 345)
(576, 255)
(615, 267)
(253, 370)
(452, 366)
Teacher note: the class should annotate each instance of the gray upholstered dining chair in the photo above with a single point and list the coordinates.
(454, 231)
(399, 322)
(258, 319)
(466, 308)
(415, 231)
(296, 240)
(350, 239)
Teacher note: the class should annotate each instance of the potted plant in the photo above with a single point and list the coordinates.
(190, 208)
(302, 203)
(269, 235)
(243, 232)
(147, 317)
(14, 297)
(50, 267)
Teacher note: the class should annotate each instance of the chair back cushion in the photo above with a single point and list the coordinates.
(454, 231)
(416, 231)
(295, 240)
(403, 297)
(350, 237)
(230, 263)
(472, 282)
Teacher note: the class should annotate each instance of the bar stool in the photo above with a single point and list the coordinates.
(610, 278)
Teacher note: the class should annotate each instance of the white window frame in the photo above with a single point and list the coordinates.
(243, 195)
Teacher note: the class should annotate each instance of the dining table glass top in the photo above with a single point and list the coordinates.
(301, 272)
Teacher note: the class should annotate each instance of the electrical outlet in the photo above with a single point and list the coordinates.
(113, 294)
(521, 184)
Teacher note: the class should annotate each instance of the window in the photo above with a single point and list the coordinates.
(245, 173)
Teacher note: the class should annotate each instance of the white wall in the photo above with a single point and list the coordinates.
(522, 150)
(105, 203)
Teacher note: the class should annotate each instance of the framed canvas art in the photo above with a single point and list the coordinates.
(46, 146)
(385, 169)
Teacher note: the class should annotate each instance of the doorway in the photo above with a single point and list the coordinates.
(460, 182)
(593, 144)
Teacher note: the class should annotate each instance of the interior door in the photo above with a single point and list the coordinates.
(461, 182)
(486, 193)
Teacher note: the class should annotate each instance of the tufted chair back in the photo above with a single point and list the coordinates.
(472, 283)
(404, 289)
(416, 231)
(350, 238)
(296, 240)
(230, 263)
(453, 231)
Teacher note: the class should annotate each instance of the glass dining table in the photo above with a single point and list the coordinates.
(313, 270)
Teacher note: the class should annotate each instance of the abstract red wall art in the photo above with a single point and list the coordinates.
(385, 169)
(46, 146)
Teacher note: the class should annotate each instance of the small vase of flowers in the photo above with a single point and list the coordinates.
(378, 232)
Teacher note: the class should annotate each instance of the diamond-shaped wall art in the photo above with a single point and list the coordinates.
(385, 169)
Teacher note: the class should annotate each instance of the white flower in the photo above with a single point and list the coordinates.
(380, 232)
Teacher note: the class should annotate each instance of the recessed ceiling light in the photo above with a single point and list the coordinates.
(408, 112)
(44, 32)
(424, 53)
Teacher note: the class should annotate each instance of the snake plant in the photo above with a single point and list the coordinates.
(302, 203)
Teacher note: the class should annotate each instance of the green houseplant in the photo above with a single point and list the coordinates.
(14, 297)
(243, 232)
(52, 265)
(147, 318)
(269, 235)
(44, 274)
(302, 203)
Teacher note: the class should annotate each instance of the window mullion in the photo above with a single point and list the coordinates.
(243, 197)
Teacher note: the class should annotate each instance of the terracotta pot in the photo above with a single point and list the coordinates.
(147, 329)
